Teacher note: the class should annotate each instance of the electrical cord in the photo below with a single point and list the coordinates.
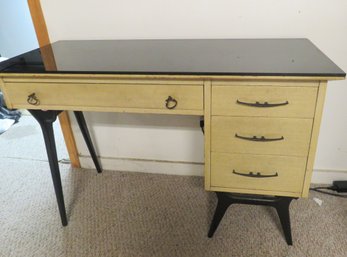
(319, 190)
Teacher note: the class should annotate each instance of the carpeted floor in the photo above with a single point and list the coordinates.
(135, 214)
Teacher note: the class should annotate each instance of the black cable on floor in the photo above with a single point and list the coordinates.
(320, 190)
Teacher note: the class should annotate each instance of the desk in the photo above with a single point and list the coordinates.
(261, 100)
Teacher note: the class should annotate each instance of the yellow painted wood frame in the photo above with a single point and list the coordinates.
(314, 137)
(48, 58)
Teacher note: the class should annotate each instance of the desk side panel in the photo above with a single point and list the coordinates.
(314, 137)
(207, 133)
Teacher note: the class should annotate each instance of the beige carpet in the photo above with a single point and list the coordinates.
(130, 214)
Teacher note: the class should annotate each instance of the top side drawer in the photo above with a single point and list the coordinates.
(266, 101)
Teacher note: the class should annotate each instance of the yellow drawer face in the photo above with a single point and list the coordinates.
(258, 135)
(106, 96)
(277, 173)
(265, 101)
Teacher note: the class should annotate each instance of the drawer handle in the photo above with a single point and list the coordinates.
(171, 103)
(255, 174)
(259, 139)
(259, 104)
(33, 100)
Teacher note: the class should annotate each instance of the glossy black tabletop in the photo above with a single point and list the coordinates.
(261, 57)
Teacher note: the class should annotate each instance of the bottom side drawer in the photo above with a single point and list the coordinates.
(258, 172)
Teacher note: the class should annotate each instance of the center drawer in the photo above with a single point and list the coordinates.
(105, 96)
(258, 135)
(258, 172)
(265, 101)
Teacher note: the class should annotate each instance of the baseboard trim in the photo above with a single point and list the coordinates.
(320, 176)
(146, 166)
(326, 176)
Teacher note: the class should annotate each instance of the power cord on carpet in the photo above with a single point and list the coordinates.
(338, 186)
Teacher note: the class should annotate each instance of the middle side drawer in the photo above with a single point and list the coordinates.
(257, 135)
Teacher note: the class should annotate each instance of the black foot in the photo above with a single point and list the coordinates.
(84, 129)
(46, 119)
(280, 203)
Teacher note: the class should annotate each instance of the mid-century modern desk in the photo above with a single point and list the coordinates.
(261, 101)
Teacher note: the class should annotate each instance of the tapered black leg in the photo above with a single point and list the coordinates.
(280, 203)
(221, 208)
(46, 119)
(84, 129)
(282, 209)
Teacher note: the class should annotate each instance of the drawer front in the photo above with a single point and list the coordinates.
(279, 136)
(264, 101)
(228, 171)
(70, 96)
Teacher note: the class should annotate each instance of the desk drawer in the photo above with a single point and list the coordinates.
(106, 96)
(264, 101)
(282, 136)
(229, 170)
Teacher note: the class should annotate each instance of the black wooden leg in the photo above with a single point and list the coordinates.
(84, 129)
(46, 119)
(280, 203)
(282, 209)
(221, 208)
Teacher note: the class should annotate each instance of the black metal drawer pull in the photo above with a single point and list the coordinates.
(255, 174)
(258, 104)
(33, 100)
(259, 139)
(171, 102)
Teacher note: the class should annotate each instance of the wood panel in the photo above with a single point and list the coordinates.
(300, 101)
(264, 82)
(290, 172)
(252, 191)
(235, 134)
(314, 138)
(207, 133)
(98, 96)
(39, 22)
(49, 62)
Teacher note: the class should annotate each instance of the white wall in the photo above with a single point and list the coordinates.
(17, 33)
(152, 137)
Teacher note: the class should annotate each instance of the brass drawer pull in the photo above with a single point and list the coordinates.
(171, 103)
(255, 174)
(259, 139)
(33, 100)
(259, 104)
